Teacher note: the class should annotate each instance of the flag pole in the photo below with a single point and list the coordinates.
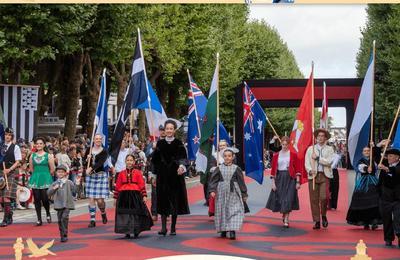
(372, 108)
(147, 84)
(325, 106)
(94, 122)
(130, 151)
(217, 108)
(195, 106)
(390, 133)
(273, 129)
(312, 119)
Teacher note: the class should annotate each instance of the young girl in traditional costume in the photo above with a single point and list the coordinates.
(229, 189)
(131, 214)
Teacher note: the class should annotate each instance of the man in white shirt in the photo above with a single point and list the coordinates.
(318, 161)
(11, 161)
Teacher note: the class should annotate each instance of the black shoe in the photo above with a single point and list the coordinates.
(104, 218)
(4, 223)
(128, 236)
(48, 218)
(39, 223)
(388, 243)
(92, 224)
(223, 234)
(172, 233)
(317, 225)
(324, 222)
(374, 227)
(135, 235)
(232, 235)
(10, 219)
(366, 227)
(163, 232)
(64, 239)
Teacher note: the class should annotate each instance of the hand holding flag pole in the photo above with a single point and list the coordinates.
(390, 133)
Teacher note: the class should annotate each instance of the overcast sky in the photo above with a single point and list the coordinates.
(329, 35)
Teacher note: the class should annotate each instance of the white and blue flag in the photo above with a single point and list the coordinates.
(360, 128)
(101, 112)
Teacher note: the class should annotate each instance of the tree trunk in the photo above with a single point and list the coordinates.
(172, 106)
(14, 72)
(94, 72)
(74, 84)
(122, 82)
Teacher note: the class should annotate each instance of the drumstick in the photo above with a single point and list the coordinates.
(5, 176)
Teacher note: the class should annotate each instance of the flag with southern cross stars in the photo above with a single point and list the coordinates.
(254, 120)
(197, 108)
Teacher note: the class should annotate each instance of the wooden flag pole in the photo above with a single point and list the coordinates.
(273, 129)
(5, 176)
(390, 133)
(372, 108)
(312, 121)
(130, 142)
(217, 109)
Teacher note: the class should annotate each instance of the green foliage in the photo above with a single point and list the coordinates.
(383, 26)
(174, 37)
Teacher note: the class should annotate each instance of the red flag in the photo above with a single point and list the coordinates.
(324, 114)
(302, 132)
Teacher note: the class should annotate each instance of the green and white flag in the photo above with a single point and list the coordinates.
(209, 124)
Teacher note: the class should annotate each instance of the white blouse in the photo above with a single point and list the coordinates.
(283, 161)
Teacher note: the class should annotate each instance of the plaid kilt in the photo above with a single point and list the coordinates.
(12, 184)
(97, 186)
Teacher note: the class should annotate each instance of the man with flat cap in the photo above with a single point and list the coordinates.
(389, 187)
(11, 161)
(318, 161)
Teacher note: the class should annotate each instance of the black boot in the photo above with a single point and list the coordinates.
(92, 224)
(173, 225)
(163, 230)
(104, 218)
(5, 221)
(317, 225)
(232, 235)
(223, 234)
(324, 222)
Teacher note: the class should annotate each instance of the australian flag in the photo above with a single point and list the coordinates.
(136, 94)
(254, 120)
(197, 108)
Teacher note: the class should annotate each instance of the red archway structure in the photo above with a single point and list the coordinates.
(289, 92)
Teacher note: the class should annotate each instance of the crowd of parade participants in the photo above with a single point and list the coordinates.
(61, 171)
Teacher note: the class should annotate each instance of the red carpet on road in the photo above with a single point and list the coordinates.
(262, 237)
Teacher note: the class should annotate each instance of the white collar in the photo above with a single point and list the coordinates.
(169, 139)
(394, 164)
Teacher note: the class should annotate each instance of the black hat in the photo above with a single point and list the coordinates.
(319, 130)
(9, 130)
(394, 151)
(62, 167)
(161, 128)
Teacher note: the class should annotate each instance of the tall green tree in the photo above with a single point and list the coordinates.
(383, 26)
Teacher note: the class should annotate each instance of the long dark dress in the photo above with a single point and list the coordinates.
(364, 206)
(131, 214)
(171, 187)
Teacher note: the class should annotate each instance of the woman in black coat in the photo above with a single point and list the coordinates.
(170, 160)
